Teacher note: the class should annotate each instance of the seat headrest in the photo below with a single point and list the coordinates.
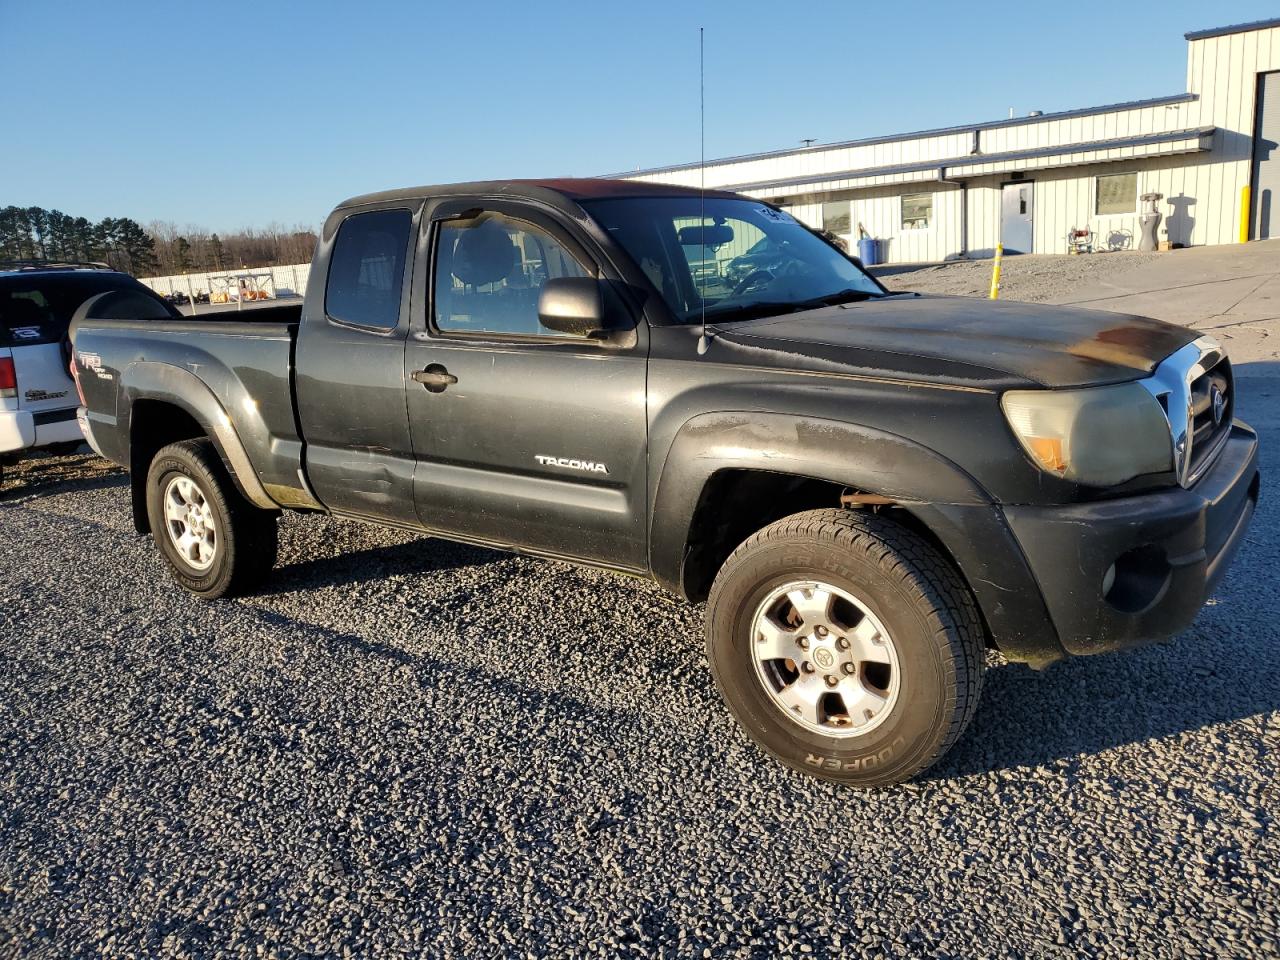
(484, 254)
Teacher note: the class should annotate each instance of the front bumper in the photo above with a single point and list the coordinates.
(1121, 572)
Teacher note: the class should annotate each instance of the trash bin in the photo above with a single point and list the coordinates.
(869, 251)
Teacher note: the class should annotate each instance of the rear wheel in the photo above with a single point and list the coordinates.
(216, 543)
(846, 646)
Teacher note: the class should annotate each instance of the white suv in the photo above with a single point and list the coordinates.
(37, 395)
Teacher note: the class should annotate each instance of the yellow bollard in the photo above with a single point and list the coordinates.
(1244, 214)
(995, 273)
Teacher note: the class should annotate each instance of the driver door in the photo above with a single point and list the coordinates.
(524, 437)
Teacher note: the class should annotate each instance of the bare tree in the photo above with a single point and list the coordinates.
(250, 247)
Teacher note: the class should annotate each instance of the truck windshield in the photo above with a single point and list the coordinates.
(738, 258)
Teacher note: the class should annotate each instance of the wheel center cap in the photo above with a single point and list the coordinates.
(824, 658)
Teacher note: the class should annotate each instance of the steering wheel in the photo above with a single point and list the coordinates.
(749, 281)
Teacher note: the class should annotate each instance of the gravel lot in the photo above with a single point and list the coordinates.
(405, 746)
(1033, 279)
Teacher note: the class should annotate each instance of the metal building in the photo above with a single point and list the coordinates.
(1029, 182)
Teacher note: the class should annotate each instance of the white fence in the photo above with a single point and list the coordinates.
(289, 280)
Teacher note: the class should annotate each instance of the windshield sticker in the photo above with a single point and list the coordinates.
(26, 333)
(777, 216)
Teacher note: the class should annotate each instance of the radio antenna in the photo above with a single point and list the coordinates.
(703, 341)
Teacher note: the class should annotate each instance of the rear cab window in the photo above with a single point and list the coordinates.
(366, 269)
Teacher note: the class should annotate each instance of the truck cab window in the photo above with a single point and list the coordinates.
(367, 268)
(490, 271)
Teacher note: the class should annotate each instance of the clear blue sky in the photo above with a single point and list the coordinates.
(231, 114)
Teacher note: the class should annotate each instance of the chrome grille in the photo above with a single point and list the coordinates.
(1188, 385)
(1211, 411)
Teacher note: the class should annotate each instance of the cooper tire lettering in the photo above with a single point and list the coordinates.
(866, 762)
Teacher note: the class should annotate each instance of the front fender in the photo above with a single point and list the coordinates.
(857, 456)
(941, 494)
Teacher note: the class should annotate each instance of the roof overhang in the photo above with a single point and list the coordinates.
(821, 148)
(1168, 143)
(1234, 28)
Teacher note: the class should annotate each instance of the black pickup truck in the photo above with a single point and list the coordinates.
(868, 488)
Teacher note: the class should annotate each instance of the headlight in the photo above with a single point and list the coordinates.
(1098, 436)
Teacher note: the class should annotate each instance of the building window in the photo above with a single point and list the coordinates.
(1117, 193)
(917, 209)
(837, 217)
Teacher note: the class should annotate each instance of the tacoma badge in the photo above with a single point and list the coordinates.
(590, 466)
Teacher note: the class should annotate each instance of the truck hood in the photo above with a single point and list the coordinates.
(959, 340)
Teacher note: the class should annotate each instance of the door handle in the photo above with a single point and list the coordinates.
(435, 377)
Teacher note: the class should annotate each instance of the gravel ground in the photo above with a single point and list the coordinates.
(1033, 279)
(408, 747)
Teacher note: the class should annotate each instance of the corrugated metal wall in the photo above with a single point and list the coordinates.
(1224, 71)
(879, 210)
(1029, 134)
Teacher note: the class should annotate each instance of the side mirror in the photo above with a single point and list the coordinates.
(571, 305)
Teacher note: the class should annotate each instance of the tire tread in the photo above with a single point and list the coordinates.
(253, 543)
(904, 555)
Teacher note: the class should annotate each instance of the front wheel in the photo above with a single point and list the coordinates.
(216, 543)
(846, 645)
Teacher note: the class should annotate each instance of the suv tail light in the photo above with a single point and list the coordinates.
(75, 378)
(8, 379)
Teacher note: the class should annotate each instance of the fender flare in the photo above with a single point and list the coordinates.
(167, 383)
(858, 456)
(939, 493)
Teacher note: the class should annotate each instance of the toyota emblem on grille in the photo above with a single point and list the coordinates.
(1219, 405)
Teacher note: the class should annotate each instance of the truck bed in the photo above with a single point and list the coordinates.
(271, 311)
(235, 373)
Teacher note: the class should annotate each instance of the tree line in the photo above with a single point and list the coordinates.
(33, 233)
(158, 249)
(193, 249)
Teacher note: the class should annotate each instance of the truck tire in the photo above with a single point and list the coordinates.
(846, 646)
(216, 543)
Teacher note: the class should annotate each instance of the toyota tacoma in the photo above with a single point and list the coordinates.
(869, 489)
